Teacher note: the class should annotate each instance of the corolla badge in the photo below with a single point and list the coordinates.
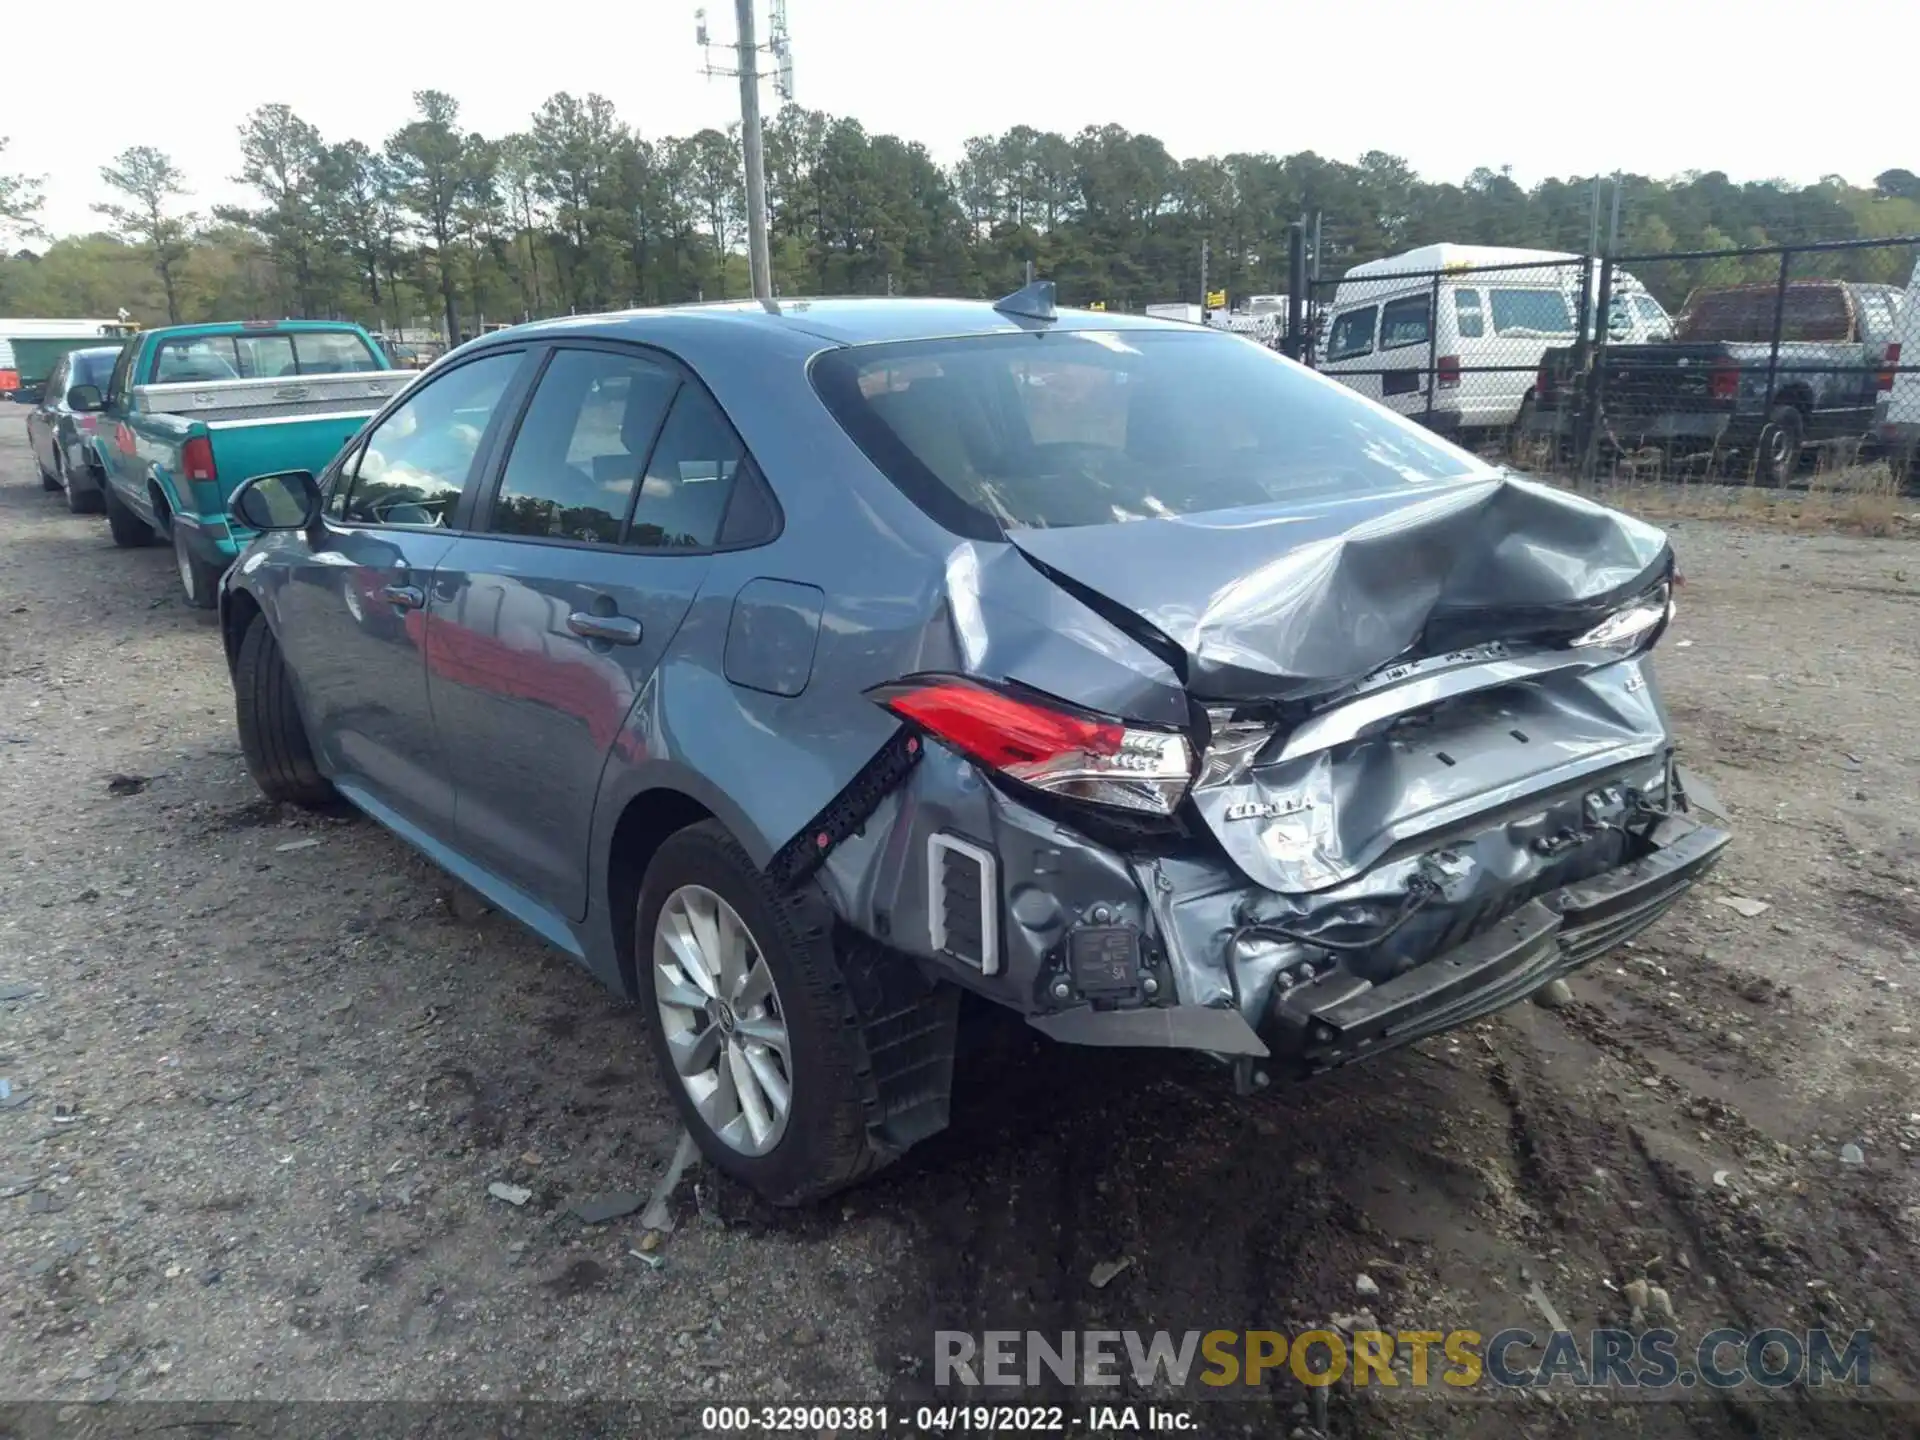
(1267, 809)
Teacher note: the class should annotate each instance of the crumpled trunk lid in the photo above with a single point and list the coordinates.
(1381, 668)
(1274, 603)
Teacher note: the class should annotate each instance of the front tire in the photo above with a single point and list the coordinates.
(129, 531)
(272, 737)
(198, 580)
(754, 1029)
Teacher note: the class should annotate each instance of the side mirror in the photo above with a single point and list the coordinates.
(86, 399)
(283, 500)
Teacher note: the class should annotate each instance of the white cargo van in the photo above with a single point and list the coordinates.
(1496, 312)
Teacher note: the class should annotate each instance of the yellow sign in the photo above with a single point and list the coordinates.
(1216, 300)
(1098, 305)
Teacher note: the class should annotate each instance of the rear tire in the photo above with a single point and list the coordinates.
(128, 529)
(1781, 443)
(198, 580)
(272, 737)
(823, 1144)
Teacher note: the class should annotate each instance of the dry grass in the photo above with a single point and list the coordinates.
(1842, 495)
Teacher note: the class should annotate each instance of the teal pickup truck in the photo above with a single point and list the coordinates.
(192, 410)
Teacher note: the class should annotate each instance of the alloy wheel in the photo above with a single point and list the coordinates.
(720, 1012)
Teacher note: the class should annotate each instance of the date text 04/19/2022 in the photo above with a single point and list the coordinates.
(943, 1419)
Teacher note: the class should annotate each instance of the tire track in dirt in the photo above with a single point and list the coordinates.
(1632, 1189)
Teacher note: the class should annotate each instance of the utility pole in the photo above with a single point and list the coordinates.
(753, 153)
(1203, 280)
(757, 264)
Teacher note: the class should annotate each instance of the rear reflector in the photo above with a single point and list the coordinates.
(196, 459)
(1050, 747)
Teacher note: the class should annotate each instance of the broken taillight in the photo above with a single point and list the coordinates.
(1637, 623)
(1045, 744)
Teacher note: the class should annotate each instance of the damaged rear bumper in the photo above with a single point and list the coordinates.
(1339, 1017)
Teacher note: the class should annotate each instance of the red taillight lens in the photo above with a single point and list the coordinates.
(1893, 358)
(1723, 382)
(1047, 746)
(1447, 372)
(9, 380)
(196, 459)
(1543, 384)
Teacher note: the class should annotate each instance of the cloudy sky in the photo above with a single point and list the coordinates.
(1549, 88)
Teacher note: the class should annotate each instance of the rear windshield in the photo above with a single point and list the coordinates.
(1063, 428)
(1540, 314)
(263, 355)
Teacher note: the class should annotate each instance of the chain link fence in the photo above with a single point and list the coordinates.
(1762, 365)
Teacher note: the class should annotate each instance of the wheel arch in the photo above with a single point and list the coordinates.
(237, 609)
(161, 497)
(645, 823)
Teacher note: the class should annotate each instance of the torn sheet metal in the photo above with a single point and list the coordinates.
(1317, 815)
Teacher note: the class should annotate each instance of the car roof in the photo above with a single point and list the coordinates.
(1428, 258)
(855, 320)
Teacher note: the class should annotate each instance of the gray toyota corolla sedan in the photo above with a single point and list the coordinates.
(796, 667)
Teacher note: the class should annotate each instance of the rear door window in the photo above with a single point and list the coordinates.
(576, 460)
(1404, 322)
(1352, 334)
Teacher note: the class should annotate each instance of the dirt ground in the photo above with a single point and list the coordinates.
(262, 1069)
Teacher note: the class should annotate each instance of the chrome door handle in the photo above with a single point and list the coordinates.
(614, 629)
(407, 597)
